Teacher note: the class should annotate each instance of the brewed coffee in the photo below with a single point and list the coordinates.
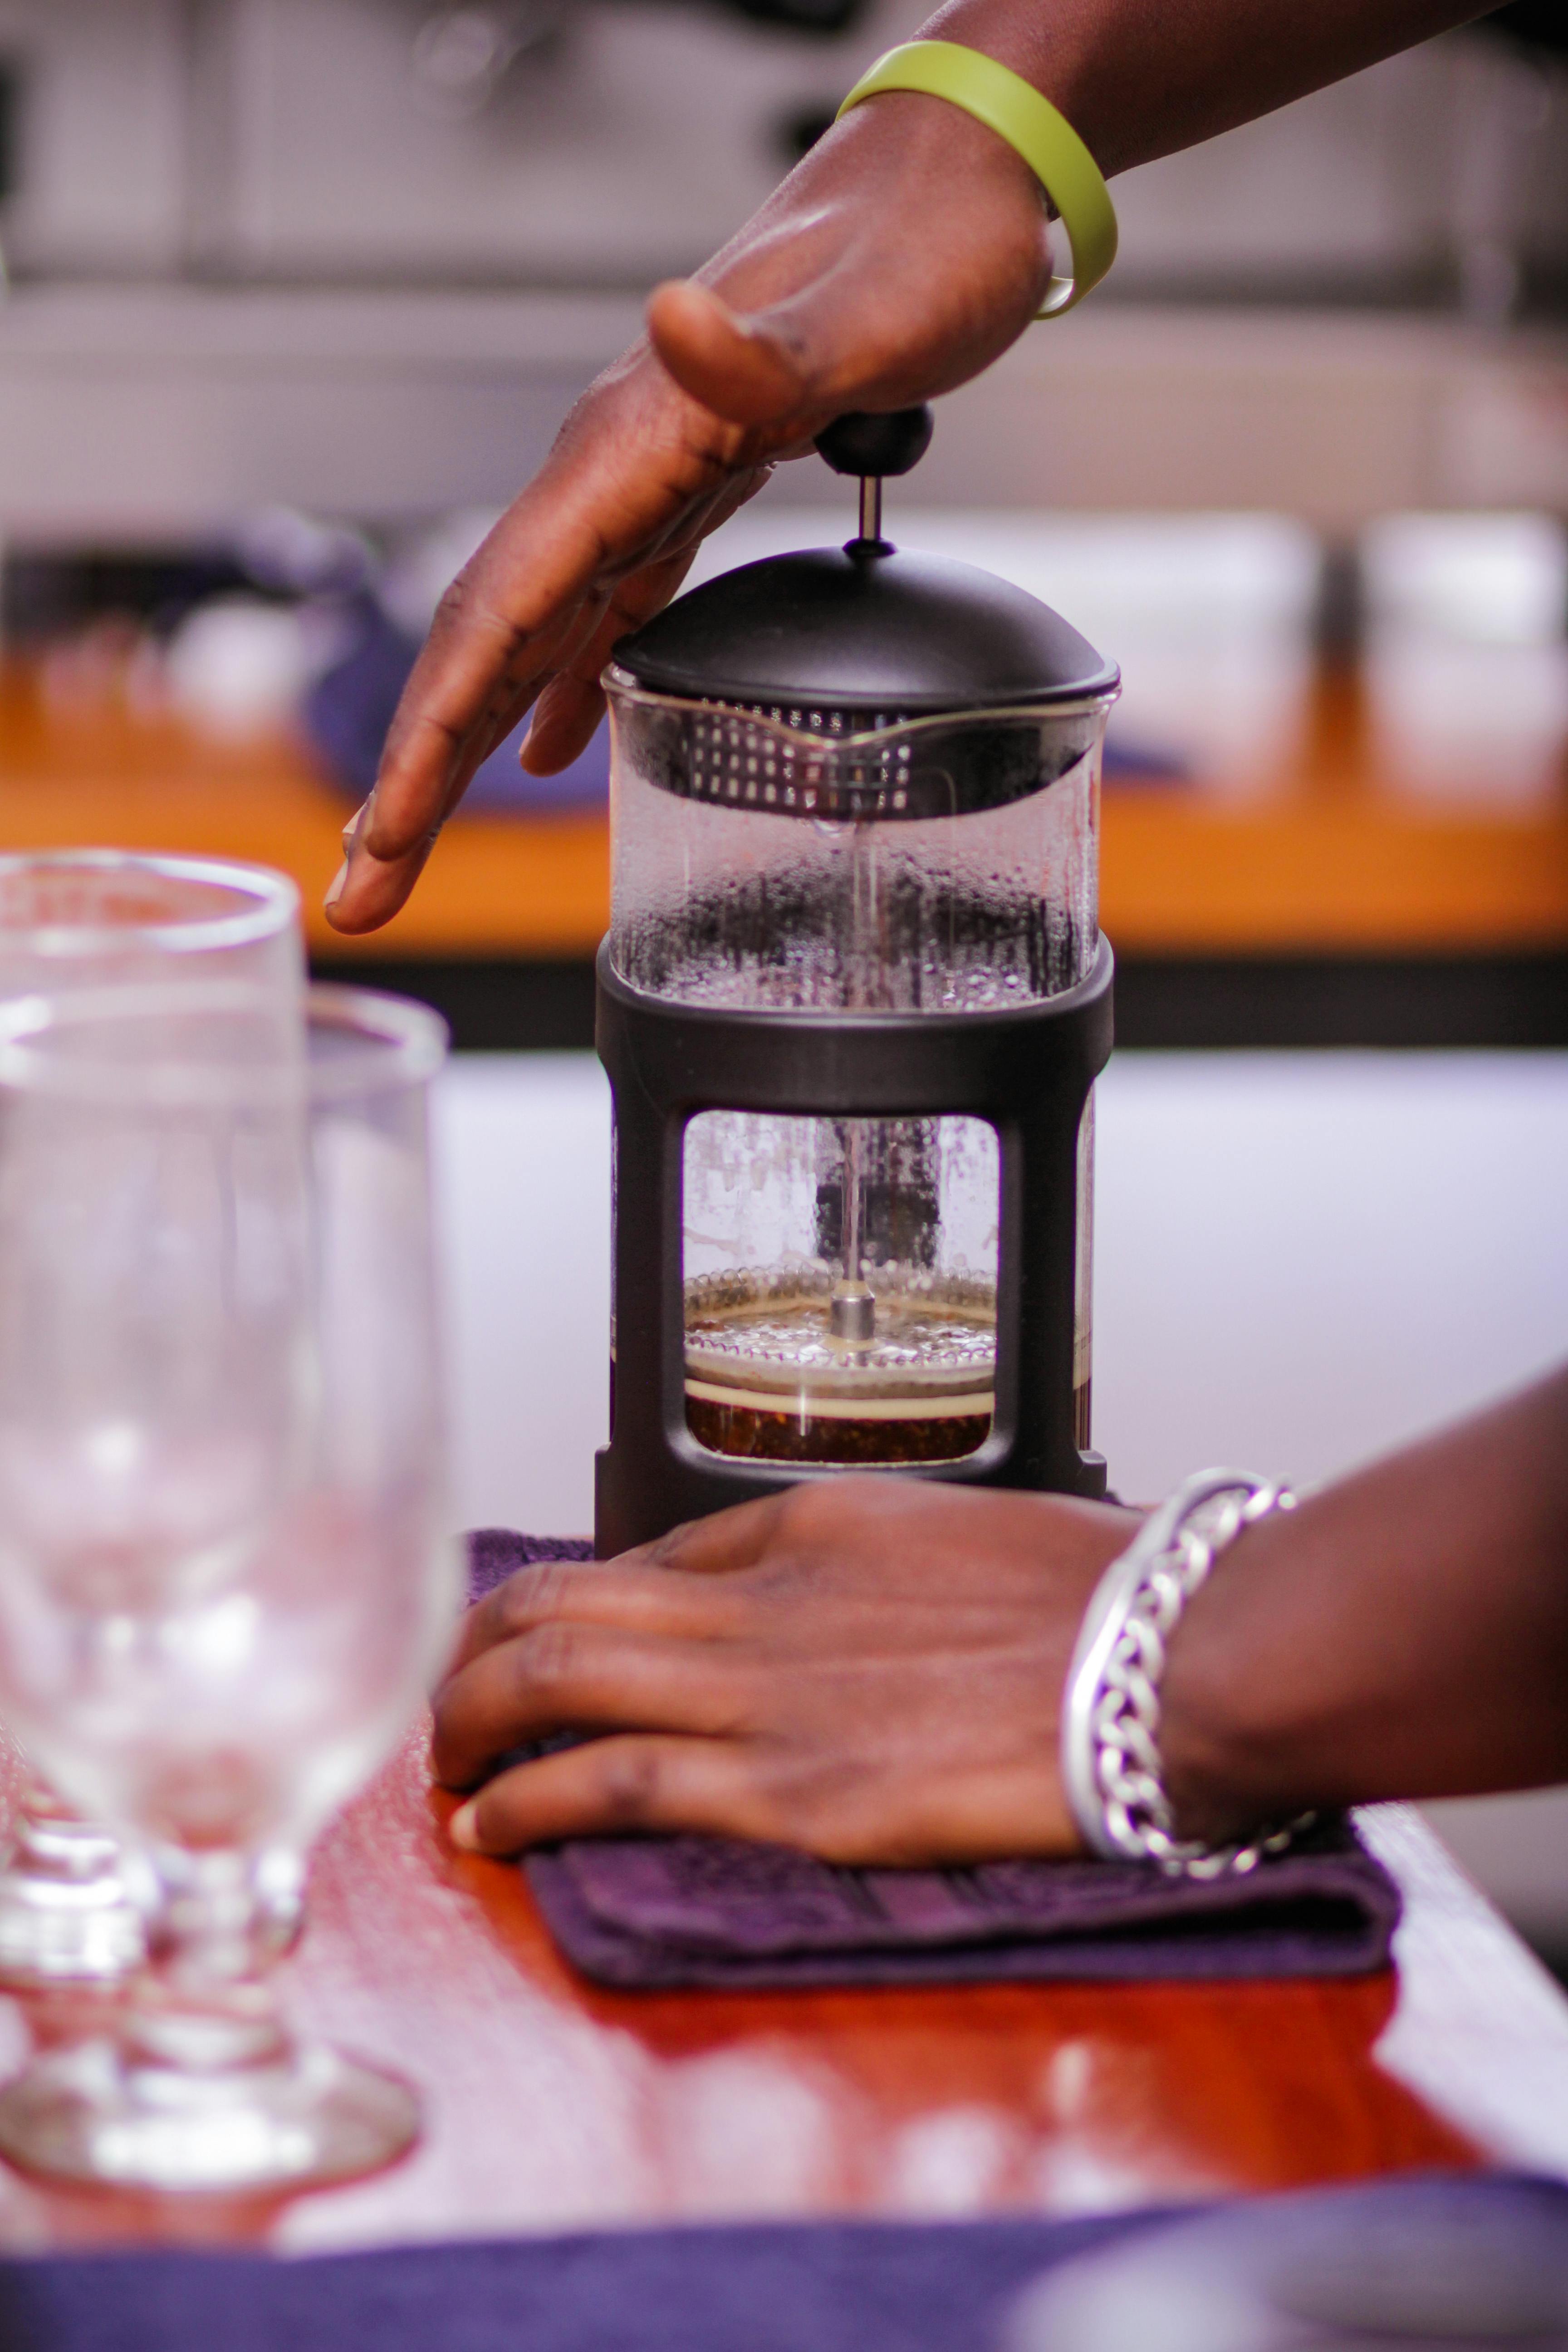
(769, 1378)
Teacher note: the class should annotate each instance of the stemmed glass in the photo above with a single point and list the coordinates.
(224, 1573)
(70, 920)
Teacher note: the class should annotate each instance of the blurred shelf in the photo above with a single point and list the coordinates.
(1319, 879)
(1330, 415)
(132, 411)
(138, 412)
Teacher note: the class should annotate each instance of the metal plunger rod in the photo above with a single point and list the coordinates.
(874, 447)
(852, 1309)
(853, 1178)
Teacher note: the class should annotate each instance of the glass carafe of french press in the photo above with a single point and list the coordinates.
(852, 1005)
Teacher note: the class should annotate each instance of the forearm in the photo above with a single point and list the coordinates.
(1402, 1633)
(1139, 78)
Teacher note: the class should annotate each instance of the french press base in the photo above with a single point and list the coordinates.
(1026, 1072)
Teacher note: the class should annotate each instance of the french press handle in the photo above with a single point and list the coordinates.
(875, 447)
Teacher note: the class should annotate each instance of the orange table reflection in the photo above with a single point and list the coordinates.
(1332, 854)
(553, 2104)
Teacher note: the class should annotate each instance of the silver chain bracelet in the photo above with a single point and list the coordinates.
(1111, 1766)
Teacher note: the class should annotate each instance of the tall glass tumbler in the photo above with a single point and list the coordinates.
(84, 919)
(225, 1574)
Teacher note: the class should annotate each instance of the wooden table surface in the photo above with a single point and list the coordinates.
(553, 2105)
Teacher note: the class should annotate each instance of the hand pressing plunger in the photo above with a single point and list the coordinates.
(900, 258)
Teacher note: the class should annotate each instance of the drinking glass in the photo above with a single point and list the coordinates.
(75, 919)
(225, 1571)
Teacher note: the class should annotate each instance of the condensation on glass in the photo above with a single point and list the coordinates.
(840, 1275)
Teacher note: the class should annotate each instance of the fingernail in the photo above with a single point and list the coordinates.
(336, 891)
(463, 1829)
(351, 830)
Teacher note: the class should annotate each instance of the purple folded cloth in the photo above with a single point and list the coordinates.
(495, 1552)
(1471, 2259)
(722, 1912)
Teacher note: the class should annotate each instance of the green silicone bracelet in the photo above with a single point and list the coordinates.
(1046, 140)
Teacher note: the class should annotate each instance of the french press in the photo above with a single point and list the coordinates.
(852, 1005)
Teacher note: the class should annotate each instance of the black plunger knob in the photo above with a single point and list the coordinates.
(859, 443)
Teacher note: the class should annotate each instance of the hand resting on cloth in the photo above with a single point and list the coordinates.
(868, 1670)
(871, 1670)
(642, 1913)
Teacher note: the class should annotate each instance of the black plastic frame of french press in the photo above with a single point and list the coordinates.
(1026, 1070)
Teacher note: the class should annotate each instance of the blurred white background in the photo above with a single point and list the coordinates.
(595, 141)
(1300, 1259)
(360, 255)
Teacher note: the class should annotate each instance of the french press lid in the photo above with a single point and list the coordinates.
(867, 629)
